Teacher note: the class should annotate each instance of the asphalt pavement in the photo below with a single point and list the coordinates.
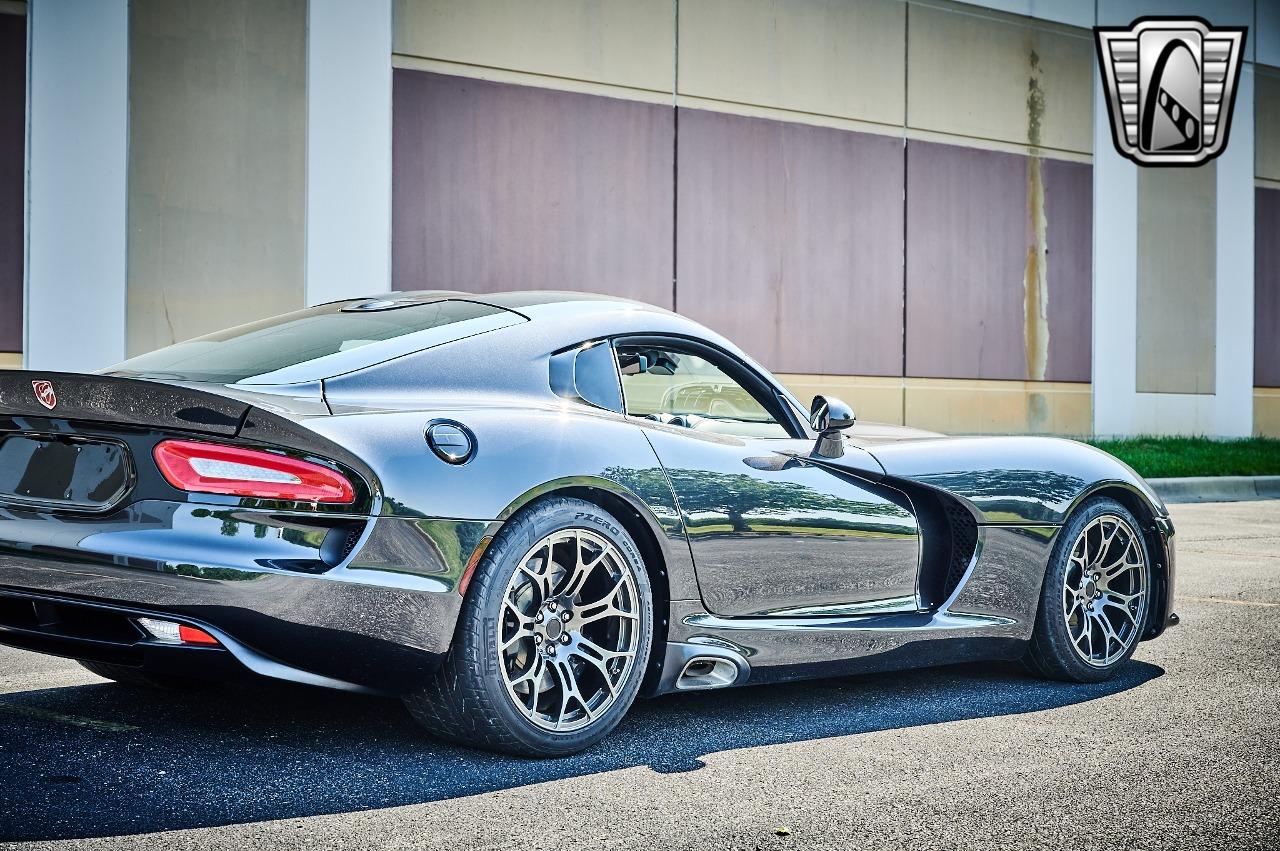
(1181, 750)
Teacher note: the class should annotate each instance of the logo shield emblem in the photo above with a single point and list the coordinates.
(44, 394)
(1171, 87)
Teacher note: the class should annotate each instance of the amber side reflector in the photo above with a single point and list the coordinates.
(192, 635)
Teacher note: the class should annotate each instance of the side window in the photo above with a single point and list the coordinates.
(678, 388)
(595, 377)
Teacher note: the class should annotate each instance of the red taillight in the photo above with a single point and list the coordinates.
(198, 467)
(191, 635)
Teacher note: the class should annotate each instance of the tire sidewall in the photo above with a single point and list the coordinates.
(1051, 626)
(483, 610)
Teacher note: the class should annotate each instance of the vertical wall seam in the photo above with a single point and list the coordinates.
(128, 169)
(906, 95)
(675, 156)
(26, 202)
(306, 157)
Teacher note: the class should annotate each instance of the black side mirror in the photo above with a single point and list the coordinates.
(829, 416)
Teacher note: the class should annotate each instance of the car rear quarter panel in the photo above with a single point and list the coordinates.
(520, 454)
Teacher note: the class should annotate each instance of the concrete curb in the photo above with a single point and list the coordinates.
(1217, 488)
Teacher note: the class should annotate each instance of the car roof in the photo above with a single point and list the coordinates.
(529, 303)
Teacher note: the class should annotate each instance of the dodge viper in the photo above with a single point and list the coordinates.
(519, 512)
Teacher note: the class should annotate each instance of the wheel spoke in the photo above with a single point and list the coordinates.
(541, 578)
(1112, 602)
(582, 569)
(569, 691)
(1121, 564)
(605, 607)
(600, 666)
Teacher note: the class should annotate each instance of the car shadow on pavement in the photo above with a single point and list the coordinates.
(106, 760)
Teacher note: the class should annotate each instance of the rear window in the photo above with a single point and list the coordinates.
(311, 344)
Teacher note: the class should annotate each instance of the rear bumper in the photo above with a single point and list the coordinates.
(382, 619)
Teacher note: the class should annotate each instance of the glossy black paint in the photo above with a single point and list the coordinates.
(802, 562)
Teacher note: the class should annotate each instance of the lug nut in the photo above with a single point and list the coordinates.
(537, 639)
(564, 638)
(551, 650)
(539, 618)
(565, 615)
(552, 605)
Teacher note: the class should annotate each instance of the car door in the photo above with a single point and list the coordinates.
(771, 533)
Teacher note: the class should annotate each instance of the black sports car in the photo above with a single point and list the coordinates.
(520, 511)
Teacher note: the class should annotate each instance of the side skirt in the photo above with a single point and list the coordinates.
(990, 616)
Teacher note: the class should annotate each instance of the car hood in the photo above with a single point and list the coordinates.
(867, 435)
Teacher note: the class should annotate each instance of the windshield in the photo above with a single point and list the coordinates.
(264, 352)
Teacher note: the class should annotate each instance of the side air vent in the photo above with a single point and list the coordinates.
(964, 540)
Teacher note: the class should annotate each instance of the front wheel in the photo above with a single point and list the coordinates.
(1096, 593)
(553, 639)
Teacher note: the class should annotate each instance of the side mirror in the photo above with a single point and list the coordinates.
(829, 416)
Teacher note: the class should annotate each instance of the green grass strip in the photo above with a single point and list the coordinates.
(1175, 457)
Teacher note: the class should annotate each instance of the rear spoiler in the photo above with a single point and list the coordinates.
(106, 399)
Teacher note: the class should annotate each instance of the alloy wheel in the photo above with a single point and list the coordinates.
(569, 630)
(1104, 591)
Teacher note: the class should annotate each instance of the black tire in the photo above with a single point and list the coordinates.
(131, 676)
(1052, 653)
(467, 701)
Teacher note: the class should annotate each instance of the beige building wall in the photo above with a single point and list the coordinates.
(1266, 411)
(1267, 122)
(840, 60)
(622, 43)
(217, 155)
(958, 406)
(989, 76)
(1177, 239)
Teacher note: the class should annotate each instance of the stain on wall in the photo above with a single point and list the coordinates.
(789, 241)
(506, 187)
(1035, 284)
(1266, 287)
(13, 135)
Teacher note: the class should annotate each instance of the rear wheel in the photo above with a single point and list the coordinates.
(553, 639)
(1096, 593)
(131, 676)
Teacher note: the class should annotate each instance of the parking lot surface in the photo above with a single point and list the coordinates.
(1182, 750)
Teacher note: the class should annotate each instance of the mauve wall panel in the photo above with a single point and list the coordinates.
(789, 241)
(13, 134)
(504, 187)
(1068, 210)
(1266, 288)
(967, 241)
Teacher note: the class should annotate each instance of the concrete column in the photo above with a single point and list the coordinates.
(1233, 401)
(77, 184)
(1118, 407)
(1115, 277)
(348, 149)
